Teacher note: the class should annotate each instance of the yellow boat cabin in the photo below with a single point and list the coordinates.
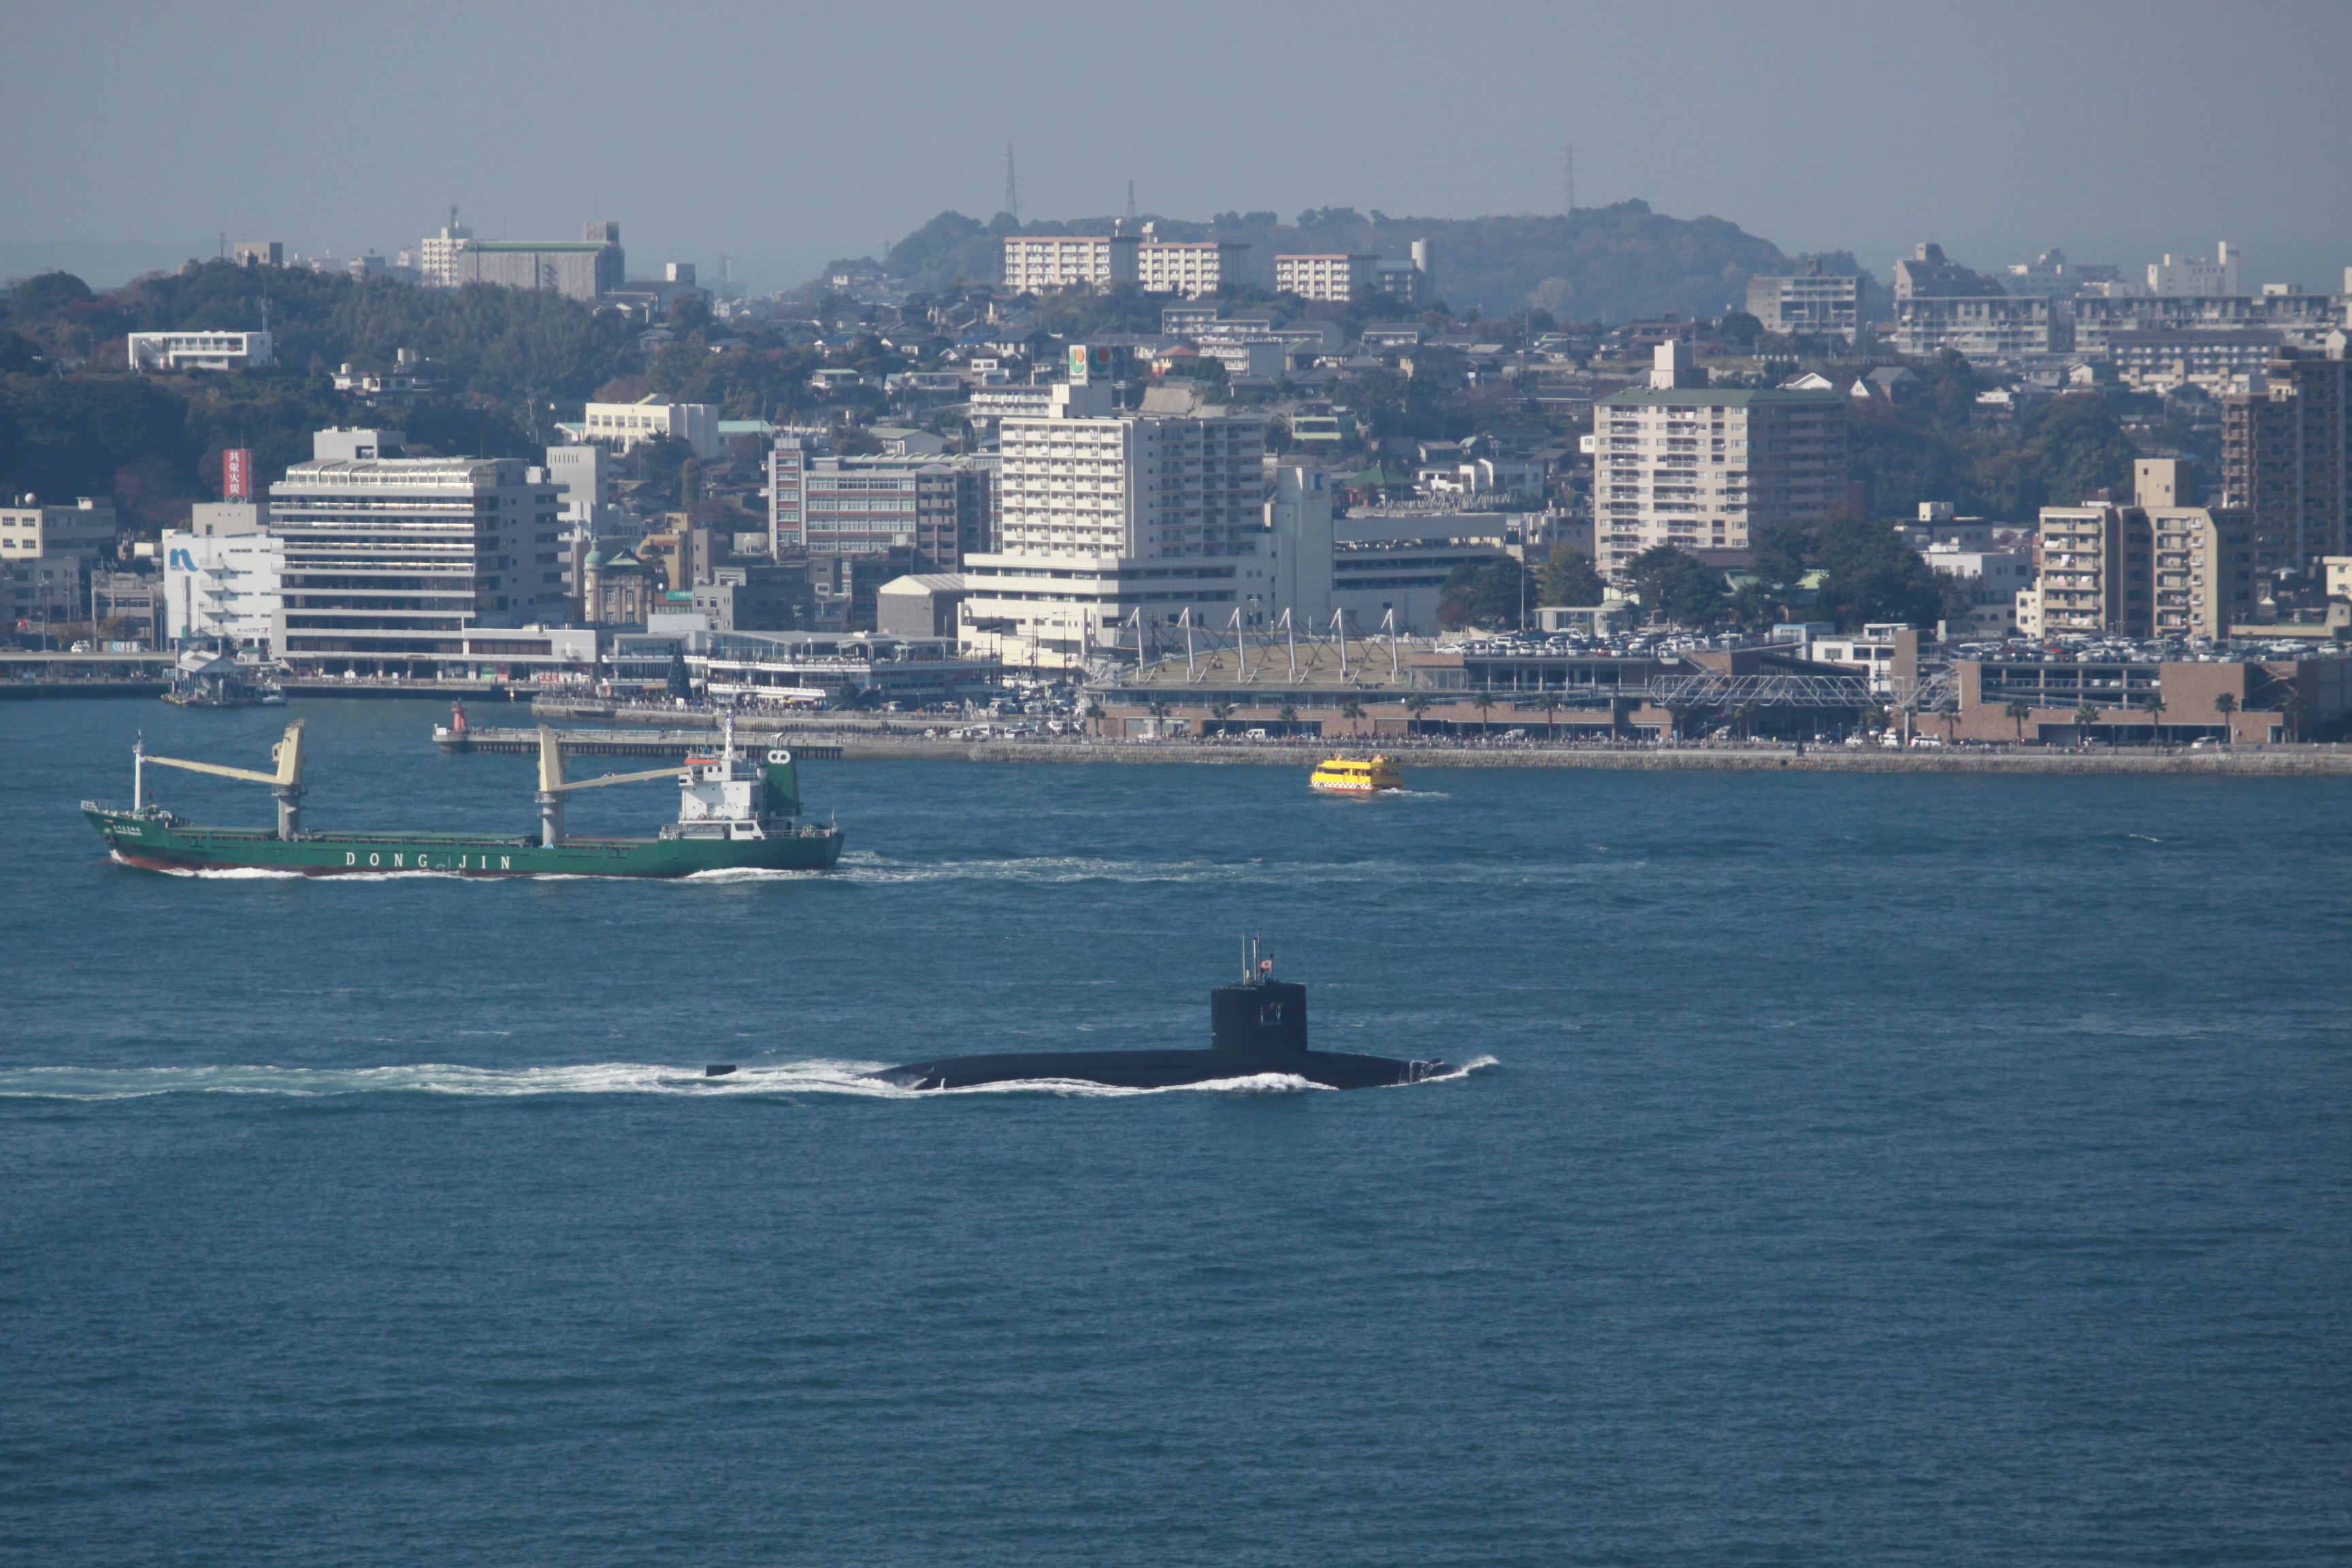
(1354, 775)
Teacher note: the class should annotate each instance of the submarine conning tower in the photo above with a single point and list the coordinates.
(1259, 1015)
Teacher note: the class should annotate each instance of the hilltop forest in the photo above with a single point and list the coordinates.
(1610, 264)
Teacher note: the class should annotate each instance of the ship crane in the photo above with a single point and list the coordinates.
(553, 787)
(286, 784)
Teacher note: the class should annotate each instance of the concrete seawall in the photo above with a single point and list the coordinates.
(2297, 761)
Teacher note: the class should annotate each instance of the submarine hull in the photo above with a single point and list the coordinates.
(1158, 1070)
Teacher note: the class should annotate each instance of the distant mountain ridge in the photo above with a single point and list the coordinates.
(1608, 264)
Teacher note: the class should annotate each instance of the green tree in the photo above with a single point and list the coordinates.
(1870, 577)
(1415, 705)
(1490, 594)
(1549, 702)
(2152, 706)
(1776, 558)
(2017, 710)
(2291, 709)
(1568, 579)
(2084, 717)
(1483, 702)
(1673, 584)
(2225, 705)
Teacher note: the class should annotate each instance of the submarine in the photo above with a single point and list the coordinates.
(1258, 1024)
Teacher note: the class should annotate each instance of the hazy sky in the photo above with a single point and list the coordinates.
(786, 134)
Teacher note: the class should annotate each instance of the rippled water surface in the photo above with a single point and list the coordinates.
(1855, 1171)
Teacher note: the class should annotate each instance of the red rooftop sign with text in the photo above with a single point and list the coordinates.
(237, 473)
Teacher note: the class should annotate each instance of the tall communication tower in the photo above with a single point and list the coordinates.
(1011, 185)
(1131, 201)
(1569, 168)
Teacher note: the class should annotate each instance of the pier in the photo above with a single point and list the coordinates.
(604, 743)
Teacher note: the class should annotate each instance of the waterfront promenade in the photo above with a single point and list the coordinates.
(862, 737)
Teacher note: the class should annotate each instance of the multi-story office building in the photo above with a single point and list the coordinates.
(2286, 454)
(761, 596)
(940, 508)
(31, 531)
(1107, 515)
(1679, 463)
(1340, 279)
(578, 268)
(394, 558)
(1812, 302)
(651, 418)
(1041, 262)
(2188, 276)
(48, 594)
(222, 584)
(200, 351)
(584, 479)
(1192, 268)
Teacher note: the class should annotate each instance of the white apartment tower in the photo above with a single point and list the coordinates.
(1106, 515)
(1699, 468)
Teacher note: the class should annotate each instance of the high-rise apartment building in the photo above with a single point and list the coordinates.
(1812, 302)
(2287, 454)
(2085, 585)
(1339, 279)
(1108, 514)
(391, 557)
(1682, 463)
(2154, 568)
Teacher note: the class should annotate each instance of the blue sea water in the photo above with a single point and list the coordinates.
(1863, 1171)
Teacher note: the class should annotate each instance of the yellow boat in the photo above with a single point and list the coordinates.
(1352, 775)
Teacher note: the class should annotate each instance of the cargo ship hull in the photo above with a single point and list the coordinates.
(158, 843)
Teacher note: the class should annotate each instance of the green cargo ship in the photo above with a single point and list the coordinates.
(735, 812)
